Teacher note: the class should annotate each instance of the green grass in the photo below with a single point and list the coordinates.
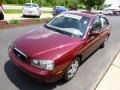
(16, 11)
(10, 11)
(14, 21)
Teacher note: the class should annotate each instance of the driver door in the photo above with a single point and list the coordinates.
(92, 40)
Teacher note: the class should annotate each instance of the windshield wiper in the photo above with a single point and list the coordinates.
(57, 30)
(63, 32)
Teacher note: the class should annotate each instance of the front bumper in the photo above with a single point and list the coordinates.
(39, 74)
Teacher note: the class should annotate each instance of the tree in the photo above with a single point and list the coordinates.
(99, 3)
(92, 3)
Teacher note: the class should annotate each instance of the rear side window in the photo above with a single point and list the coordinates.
(104, 22)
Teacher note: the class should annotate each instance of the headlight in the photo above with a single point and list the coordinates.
(44, 64)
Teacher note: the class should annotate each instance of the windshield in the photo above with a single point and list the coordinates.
(30, 5)
(73, 25)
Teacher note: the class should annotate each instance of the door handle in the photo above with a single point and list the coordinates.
(90, 38)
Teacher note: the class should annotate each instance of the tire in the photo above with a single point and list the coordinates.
(110, 14)
(24, 15)
(72, 69)
(38, 16)
(105, 42)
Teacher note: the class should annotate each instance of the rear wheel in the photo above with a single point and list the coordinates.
(105, 42)
(110, 14)
(24, 15)
(72, 69)
(38, 16)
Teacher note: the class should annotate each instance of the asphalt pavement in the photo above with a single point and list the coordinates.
(88, 76)
(20, 17)
(19, 7)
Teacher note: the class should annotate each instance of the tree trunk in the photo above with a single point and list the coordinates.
(89, 8)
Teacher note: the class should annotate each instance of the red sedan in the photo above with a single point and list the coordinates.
(57, 49)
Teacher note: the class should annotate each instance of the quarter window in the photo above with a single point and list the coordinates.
(104, 22)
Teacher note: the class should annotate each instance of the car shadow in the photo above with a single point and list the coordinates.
(25, 82)
(30, 17)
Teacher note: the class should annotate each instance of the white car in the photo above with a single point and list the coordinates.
(31, 9)
(107, 12)
(1, 14)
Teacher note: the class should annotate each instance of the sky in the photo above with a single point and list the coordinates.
(114, 2)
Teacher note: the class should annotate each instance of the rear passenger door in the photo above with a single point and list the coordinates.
(105, 28)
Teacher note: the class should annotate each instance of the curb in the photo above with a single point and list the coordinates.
(3, 23)
(110, 76)
(104, 73)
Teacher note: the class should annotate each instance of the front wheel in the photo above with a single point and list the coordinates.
(72, 69)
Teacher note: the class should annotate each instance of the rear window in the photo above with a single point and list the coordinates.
(30, 5)
(60, 7)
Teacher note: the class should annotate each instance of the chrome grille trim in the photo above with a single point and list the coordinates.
(20, 52)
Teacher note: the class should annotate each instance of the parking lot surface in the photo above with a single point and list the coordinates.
(87, 78)
(19, 16)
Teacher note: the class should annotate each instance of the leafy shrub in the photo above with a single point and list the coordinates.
(14, 21)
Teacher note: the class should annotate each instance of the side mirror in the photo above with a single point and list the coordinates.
(93, 31)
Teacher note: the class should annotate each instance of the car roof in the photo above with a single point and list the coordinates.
(83, 13)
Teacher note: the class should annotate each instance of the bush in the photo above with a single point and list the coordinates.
(14, 21)
(79, 6)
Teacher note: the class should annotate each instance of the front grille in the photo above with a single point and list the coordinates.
(20, 55)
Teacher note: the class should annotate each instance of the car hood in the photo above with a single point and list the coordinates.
(43, 41)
